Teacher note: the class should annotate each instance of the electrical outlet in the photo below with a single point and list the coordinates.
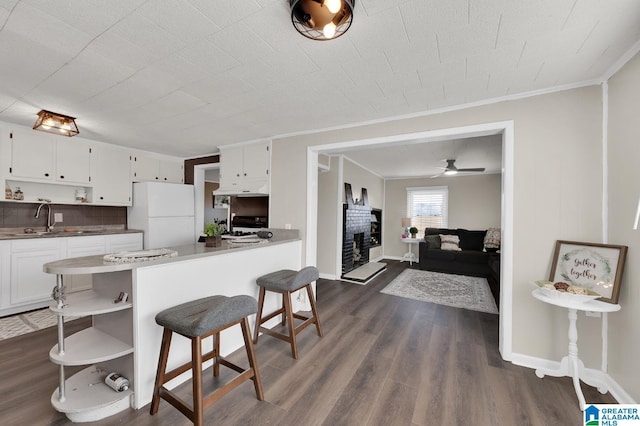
(57, 217)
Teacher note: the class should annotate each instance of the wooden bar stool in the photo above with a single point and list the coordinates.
(198, 320)
(286, 282)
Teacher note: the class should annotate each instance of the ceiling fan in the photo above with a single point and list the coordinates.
(451, 169)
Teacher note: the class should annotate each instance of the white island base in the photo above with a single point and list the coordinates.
(125, 338)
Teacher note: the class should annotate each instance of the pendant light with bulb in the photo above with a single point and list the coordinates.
(322, 19)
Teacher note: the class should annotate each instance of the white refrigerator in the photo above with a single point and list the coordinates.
(165, 212)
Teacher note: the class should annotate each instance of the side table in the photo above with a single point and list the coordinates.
(571, 365)
(409, 255)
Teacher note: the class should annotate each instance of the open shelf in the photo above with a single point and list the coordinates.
(376, 228)
(89, 346)
(88, 302)
(88, 398)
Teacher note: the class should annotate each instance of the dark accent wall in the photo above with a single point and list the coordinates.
(190, 163)
(356, 219)
(15, 215)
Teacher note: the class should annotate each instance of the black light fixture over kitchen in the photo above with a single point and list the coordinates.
(322, 19)
(55, 123)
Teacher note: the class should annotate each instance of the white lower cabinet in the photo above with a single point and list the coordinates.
(23, 284)
(105, 347)
(124, 242)
(29, 284)
(83, 246)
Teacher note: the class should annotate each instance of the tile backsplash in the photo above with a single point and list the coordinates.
(23, 215)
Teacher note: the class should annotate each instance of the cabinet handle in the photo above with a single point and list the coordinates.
(102, 198)
(46, 174)
(61, 177)
(238, 174)
(156, 177)
(245, 174)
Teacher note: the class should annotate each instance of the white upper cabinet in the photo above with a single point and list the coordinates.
(244, 163)
(73, 161)
(110, 169)
(31, 155)
(43, 157)
(151, 169)
(172, 171)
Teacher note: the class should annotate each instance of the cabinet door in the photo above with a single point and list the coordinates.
(171, 171)
(28, 282)
(83, 246)
(32, 155)
(73, 160)
(256, 161)
(5, 275)
(231, 165)
(110, 176)
(124, 242)
(145, 169)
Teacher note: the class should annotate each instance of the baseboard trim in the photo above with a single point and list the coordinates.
(331, 277)
(615, 389)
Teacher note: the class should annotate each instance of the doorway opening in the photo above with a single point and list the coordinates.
(505, 130)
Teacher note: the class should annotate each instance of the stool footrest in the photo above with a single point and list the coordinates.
(169, 375)
(273, 314)
(177, 402)
(228, 387)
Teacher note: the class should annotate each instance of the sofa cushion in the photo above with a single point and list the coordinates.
(450, 242)
(440, 231)
(476, 257)
(471, 240)
(442, 255)
(433, 241)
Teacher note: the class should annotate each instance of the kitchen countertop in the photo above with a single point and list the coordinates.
(97, 264)
(75, 231)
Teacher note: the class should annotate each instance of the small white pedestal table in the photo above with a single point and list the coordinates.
(409, 255)
(571, 365)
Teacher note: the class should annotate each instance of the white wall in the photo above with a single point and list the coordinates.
(623, 193)
(474, 203)
(328, 224)
(557, 185)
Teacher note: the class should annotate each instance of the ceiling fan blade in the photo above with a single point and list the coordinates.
(478, 169)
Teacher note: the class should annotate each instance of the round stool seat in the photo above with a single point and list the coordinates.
(201, 316)
(288, 280)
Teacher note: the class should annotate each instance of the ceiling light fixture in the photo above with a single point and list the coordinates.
(55, 123)
(322, 19)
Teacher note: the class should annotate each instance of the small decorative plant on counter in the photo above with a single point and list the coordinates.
(214, 234)
(413, 231)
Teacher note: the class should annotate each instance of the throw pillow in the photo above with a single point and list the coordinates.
(492, 239)
(450, 242)
(471, 240)
(433, 241)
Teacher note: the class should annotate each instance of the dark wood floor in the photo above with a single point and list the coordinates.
(384, 360)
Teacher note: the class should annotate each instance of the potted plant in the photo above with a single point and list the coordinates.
(413, 231)
(214, 232)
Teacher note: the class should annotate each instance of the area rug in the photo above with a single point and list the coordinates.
(444, 289)
(20, 324)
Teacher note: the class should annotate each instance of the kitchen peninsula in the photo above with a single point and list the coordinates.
(124, 336)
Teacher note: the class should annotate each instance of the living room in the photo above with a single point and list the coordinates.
(566, 177)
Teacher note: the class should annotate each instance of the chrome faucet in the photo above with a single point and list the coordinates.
(49, 223)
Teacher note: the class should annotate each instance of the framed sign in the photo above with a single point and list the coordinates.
(597, 267)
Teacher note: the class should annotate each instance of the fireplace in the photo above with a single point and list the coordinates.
(356, 231)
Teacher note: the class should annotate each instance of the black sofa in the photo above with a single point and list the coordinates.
(471, 260)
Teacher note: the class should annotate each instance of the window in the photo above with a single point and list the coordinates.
(428, 207)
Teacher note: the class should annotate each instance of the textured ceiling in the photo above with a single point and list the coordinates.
(182, 77)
